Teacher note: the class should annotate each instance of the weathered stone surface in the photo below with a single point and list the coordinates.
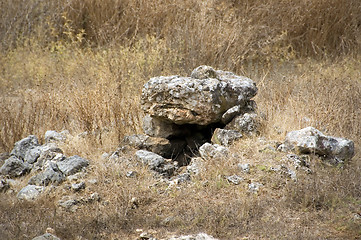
(208, 150)
(69, 203)
(46, 236)
(235, 179)
(78, 186)
(4, 185)
(21, 147)
(246, 123)
(72, 165)
(230, 114)
(53, 136)
(155, 127)
(14, 167)
(51, 174)
(245, 167)
(162, 146)
(225, 137)
(196, 166)
(32, 155)
(203, 72)
(30, 192)
(254, 187)
(311, 140)
(150, 159)
(200, 236)
(191, 100)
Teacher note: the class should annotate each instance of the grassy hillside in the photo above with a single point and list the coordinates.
(80, 65)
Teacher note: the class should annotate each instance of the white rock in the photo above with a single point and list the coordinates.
(30, 192)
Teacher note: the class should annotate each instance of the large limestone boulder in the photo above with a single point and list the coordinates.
(311, 140)
(200, 99)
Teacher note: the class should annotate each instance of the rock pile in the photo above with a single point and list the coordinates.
(335, 150)
(183, 113)
(47, 163)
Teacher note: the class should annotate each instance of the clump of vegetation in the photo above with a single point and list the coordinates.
(80, 66)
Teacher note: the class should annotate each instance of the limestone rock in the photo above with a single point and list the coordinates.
(195, 166)
(235, 111)
(311, 140)
(30, 192)
(150, 159)
(156, 162)
(203, 72)
(4, 185)
(200, 236)
(162, 146)
(208, 150)
(155, 127)
(245, 167)
(225, 137)
(72, 165)
(254, 187)
(230, 114)
(53, 136)
(51, 174)
(46, 236)
(235, 179)
(246, 123)
(201, 100)
(21, 147)
(14, 167)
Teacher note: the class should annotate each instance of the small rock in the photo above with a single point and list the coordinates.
(230, 114)
(254, 187)
(92, 181)
(195, 166)
(94, 197)
(208, 150)
(150, 159)
(30, 192)
(225, 137)
(78, 186)
(203, 72)
(72, 165)
(244, 167)
(234, 179)
(4, 185)
(182, 178)
(68, 203)
(46, 236)
(200, 236)
(155, 127)
(246, 123)
(298, 161)
(131, 174)
(53, 136)
(161, 146)
(146, 236)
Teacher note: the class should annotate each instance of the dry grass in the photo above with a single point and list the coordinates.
(80, 66)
